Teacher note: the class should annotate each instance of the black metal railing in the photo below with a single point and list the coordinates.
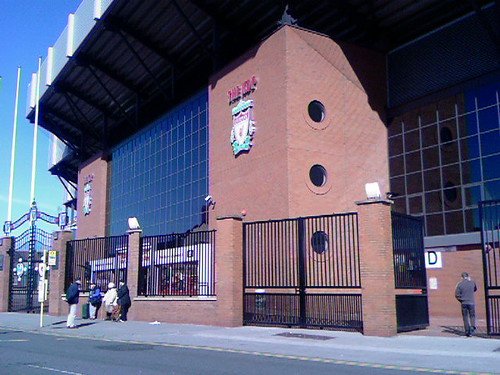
(99, 260)
(489, 213)
(179, 264)
(298, 271)
(317, 252)
(409, 257)
(26, 255)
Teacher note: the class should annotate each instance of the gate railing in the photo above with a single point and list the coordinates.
(412, 310)
(99, 260)
(303, 271)
(26, 254)
(489, 212)
(178, 264)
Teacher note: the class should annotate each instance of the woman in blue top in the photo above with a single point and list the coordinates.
(95, 300)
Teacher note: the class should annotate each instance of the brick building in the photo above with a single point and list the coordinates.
(192, 116)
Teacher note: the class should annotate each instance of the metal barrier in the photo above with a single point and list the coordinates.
(179, 264)
(298, 271)
(489, 212)
(412, 310)
(99, 260)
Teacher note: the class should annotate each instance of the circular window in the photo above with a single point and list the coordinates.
(316, 111)
(450, 192)
(317, 174)
(319, 242)
(446, 135)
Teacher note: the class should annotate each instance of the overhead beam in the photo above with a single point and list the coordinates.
(91, 102)
(110, 72)
(113, 24)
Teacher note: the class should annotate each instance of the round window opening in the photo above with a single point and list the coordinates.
(450, 192)
(319, 242)
(317, 174)
(316, 111)
(446, 135)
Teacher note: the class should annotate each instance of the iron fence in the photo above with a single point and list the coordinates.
(489, 213)
(315, 252)
(409, 257)
(99, 260)
(179, 264)
(26, 256)
(297, 272)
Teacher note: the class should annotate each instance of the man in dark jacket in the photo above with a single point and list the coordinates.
(464, 293)
(124, 301)
(72, 295)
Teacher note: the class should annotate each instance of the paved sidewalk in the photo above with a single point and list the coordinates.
(460, 354)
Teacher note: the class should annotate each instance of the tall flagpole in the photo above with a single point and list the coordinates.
(13, 149)
(35, 131)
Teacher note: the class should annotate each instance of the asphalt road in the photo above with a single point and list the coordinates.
(28, 353)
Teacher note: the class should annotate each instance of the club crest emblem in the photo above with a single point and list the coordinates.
(243, 126)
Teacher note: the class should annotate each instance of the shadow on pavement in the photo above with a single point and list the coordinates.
(459, 331)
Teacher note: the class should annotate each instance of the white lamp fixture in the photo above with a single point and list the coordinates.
(133, 223)
(372, 190)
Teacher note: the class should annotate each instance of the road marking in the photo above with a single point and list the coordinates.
(14, 340)
(264, 354)
(56, 370)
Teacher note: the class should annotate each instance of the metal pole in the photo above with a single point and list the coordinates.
(13, 149)
(35, 131)
(42, 281)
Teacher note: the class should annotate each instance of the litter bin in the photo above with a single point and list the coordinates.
(85, 311)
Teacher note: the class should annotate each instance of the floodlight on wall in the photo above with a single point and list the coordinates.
(372, 190)
(133, 223)
(209, 201)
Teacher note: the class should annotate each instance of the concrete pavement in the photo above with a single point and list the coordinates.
(438, 354)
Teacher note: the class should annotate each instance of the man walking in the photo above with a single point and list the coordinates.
(72, 295)
(464, 293)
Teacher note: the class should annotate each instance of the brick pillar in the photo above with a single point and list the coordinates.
(229, 270)
(5, 244)
(134, 243)
(377, 268)
(57, 274)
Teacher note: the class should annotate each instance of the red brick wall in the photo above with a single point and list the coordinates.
(94, 224)
(256, 181)
(294, 67)
(442, 302)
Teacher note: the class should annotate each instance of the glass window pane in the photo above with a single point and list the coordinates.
(415, 205)
(413, 162)
(414, 183)
(492, 190)
(435, 226)
(467, 124)
(396, 145)
(412, 140)
(472, 220)
(433, 202)
(469, 147)
(430, 157)
(429, 136)
(454, 222)
(432, 179)
(472, 195)
(488, 119)
(491, 167)
(490, 143)
(471, 172)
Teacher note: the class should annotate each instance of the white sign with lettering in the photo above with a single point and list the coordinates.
(433, 259)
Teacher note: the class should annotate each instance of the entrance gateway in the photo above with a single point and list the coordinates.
(489, 212)
(306, 272)
(26, 255)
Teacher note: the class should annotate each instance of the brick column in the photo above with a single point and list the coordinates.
(57, 274)
(134, 242)
(377, 268)
(5, 272)
(229, 270)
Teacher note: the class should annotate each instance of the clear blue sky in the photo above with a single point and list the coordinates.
(27, 29)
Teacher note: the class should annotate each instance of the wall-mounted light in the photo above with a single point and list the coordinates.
(133, 223)
(209, 201)
(372, 190)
